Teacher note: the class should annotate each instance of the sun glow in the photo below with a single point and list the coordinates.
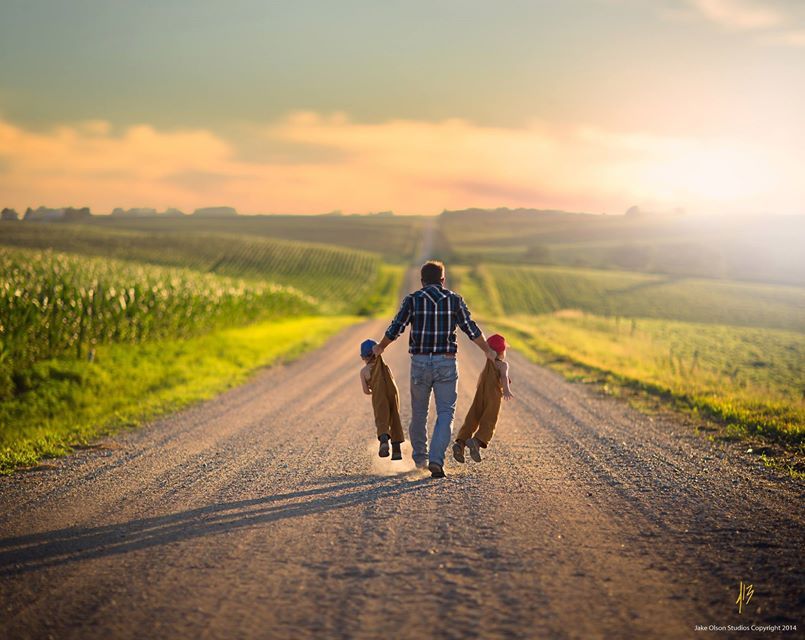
(332, 162)
(728, 175)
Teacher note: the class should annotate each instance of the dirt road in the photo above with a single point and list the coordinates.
(266, 513)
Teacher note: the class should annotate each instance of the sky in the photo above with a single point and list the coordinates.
(412, 106)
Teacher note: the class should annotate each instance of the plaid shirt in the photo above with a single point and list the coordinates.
(433, 313)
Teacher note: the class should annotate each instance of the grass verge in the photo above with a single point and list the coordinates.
(71, 402)
(739, 383)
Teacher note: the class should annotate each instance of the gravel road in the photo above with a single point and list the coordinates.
(267, 513)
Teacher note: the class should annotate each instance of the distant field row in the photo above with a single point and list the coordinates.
(342, 280)
(393, 237)
(508, 290)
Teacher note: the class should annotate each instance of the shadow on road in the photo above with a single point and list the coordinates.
(24, 554)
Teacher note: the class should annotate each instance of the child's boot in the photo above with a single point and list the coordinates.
(396, 453)
(384, 445)
(458, 451)
(474, 445)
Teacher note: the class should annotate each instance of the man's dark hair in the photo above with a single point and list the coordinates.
(432, 272)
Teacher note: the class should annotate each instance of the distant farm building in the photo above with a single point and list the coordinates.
(73, 214)
(45, 214)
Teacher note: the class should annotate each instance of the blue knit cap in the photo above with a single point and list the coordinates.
(366, 348)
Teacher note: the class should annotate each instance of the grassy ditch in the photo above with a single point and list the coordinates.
(71, 401)
(744, 380)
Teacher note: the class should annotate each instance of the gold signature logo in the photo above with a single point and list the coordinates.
(745, 593)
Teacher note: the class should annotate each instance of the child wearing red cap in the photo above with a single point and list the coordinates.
(493, 385)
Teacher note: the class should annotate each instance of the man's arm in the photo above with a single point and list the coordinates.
(473, 331)
(490, 353)
(397, 326)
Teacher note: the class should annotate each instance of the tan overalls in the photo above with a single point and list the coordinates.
(483, 414)
(385, 401)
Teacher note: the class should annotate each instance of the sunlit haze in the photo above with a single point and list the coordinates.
(415, 107)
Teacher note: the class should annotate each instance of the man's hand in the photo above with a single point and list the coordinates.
(507, 394)
(381, 346)
(491, 354)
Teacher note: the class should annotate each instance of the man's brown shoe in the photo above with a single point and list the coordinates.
(436, 470)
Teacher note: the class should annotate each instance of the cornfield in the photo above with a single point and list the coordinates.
(339, 278)
(53, 304)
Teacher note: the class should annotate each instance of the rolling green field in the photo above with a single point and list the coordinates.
(730, 350)
(101, 327)
(705, 316)
(748, 377)
(538, 290)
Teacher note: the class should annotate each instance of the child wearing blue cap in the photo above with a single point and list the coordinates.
(377, 381)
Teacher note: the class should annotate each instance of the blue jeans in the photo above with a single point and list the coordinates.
(440, 374)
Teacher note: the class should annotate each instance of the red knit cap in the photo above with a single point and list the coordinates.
(497, 342)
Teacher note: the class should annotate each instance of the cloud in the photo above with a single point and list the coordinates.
(790, 38)
(770, 22)
(741, 15)
(410, 166)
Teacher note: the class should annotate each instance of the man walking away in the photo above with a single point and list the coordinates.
(433, 313)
